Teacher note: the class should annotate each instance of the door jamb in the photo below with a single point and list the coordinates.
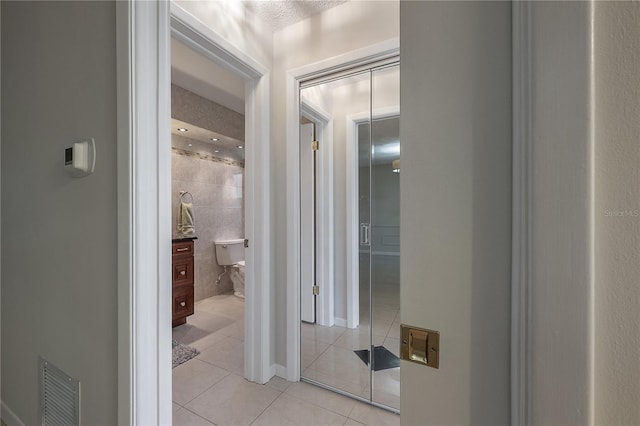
(324, 211)
(294, 77)
(190, 31)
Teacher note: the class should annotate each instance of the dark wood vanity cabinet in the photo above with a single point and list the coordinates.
(181, 281)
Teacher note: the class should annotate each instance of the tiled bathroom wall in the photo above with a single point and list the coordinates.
(217, 189)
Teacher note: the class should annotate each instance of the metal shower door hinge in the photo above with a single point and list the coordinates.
(314, 145)
(316, 290)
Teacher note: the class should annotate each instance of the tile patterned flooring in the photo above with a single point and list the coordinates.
(327, 352)
(210, 388)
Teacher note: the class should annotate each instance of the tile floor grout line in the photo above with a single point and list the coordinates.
(219, 366)
(318, 405)
(196, 414)
(209, 312)
(265, 408)
(204, 391)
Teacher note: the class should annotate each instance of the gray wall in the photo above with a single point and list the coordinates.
(617, 213)
(58, 233)
(559, 294)
(455, 189)
(584, 191)
(218, 203)
(216, 181)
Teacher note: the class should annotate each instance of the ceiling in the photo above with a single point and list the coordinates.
(198, 74)
(197, 139)
(278, 14)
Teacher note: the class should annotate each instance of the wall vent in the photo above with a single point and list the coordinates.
(59, 396)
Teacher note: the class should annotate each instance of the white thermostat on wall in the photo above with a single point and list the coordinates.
(80, 159)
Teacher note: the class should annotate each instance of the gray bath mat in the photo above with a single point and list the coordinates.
(182, 353)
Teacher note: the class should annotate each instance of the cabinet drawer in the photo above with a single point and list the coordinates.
(184, 248)
(182, 302)
(182, 271)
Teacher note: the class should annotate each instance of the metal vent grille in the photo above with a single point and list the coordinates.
(59, 396)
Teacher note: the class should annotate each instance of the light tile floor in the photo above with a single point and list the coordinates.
(210, 390)
(327, 353)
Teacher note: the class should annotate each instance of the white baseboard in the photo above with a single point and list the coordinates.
(280, 371)
(385, 253)
(9, 417)
(381, 253)
(340, 322)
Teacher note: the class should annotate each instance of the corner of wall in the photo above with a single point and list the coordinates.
(276, 370)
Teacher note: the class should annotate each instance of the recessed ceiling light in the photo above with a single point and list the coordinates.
(190, 144)
(214, 139)
(216, 151)
(182, 129)
(239, 146)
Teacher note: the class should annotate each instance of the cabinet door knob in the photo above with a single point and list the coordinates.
(183, 304)
(183, 272)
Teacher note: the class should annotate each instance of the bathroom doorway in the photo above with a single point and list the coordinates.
(356, 352)
(208, 229)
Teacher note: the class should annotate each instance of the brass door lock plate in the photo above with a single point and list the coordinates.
(420, 345)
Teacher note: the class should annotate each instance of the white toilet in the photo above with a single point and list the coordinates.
(231, 253)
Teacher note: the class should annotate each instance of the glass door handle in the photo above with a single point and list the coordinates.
(365, 234)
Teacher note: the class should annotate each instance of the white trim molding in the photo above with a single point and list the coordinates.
(144, 243)
(553, 213)
(352, 225)
(324, 210)
(194, 33)
(258, 274)
(380, 51)
(144, 225)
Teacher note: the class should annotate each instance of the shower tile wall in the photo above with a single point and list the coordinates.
(217, 189)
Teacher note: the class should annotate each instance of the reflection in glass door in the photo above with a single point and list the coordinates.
(385, 236)
(355, 349)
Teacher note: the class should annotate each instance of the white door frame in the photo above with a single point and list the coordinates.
(308, 228)
(193, 33)
(353, 220)
(144, 225)
(294, 77)
(324, 210)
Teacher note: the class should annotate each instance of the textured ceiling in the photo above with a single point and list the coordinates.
(280, 13)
